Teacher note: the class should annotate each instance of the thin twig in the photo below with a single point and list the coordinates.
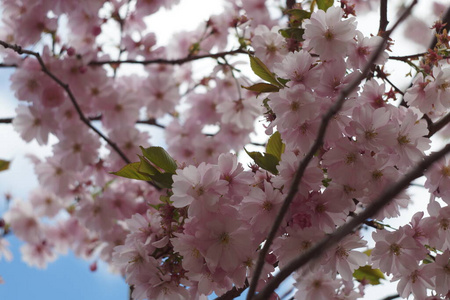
(391, 297)
(8, 66)
(305, 161)
(179, 61)
(408, 57)
(65, 86)
(6, 120)
(383, 76)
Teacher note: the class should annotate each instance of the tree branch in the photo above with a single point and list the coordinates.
(8, 66)
(407, 57)
(305, 161)
(6, 120)
(435, 127)
(65, 86)
(317, 250)
(383, 17)
(391, 297)
(179, 61)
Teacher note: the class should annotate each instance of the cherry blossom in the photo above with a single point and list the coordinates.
(95, 83)
(328, 34)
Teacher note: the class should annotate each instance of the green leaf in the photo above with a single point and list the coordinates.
(266, 161)
(4, 165)
(283, 81)
(366, 273)
(326, 182)
(324, 4)
(161, 159)
(297, 16)
(275, 145)
(262, 88)
(132, 171)
(163, 180)
(261, 70)
(300, 14)
(293, 33)
(147, 168)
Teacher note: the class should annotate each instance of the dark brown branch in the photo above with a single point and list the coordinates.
(317, 250)
(6, 121)
(392, 297)
(272, 285)
(435, 127)
(408, 57)
(65, 86)
(8, 66)
(383, 17)
(383, 76)
(179, 61)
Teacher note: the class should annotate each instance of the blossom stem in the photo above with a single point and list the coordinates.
(273, 283)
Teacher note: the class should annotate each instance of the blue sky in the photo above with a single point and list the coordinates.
(67, 278)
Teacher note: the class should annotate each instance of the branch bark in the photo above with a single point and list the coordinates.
(383, 17)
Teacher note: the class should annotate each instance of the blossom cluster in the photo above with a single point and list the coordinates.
(201, 230)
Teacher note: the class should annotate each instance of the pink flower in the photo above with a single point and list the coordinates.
(77, 148)
(295, 242)
(52, 96)
(299, 68)
(34, 123)
(438, 179)
(417, 282)
(269, 45)
(293, 106)
(4, 251)
(45, 203)
(160, 93)
(361, 51)
(327, 34)
(227, 241)
(200, 186)
(262, 206)
(238, 180)
(372, 128)
(316, 286)
(242, 112)
(411, 143)
(54, 176)
(343, 259)
(24, 222)
(38, 254)
(439, 270)
(396, 252)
